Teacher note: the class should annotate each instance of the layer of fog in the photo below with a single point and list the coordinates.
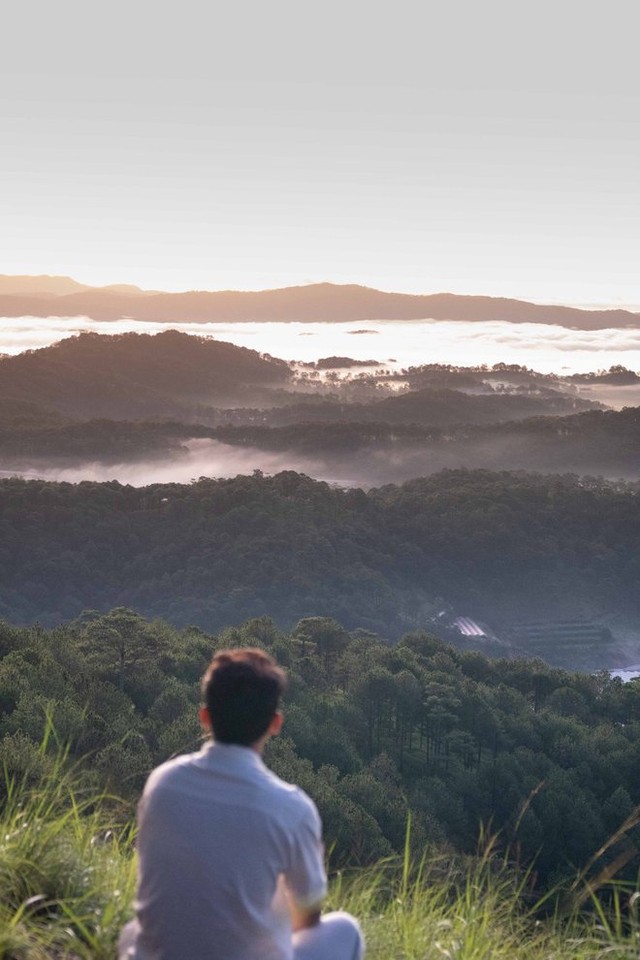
(365, 467)
(546, 348)
(612, 396)
(377, 465)
(627, 675)
(201, 458)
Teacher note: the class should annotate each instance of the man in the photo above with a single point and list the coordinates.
(230, 858)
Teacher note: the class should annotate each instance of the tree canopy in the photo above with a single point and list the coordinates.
(547, 760)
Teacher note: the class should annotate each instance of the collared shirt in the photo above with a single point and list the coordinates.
(218, 836)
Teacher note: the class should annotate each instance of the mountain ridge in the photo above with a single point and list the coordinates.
(322, 302)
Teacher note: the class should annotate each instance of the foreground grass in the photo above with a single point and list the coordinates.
(67, 880)
(480, 916)
(67, 877)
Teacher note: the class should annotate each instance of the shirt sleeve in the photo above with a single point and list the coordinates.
(306, 876)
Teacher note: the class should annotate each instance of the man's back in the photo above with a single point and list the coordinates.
(218, 832)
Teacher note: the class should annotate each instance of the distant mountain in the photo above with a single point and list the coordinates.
(315, 302)
(128, 288)
(137, 375)
(42, 286)
(50, 286)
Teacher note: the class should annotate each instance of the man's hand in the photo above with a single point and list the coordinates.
(303, 919)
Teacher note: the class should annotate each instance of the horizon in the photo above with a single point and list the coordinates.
(47, 275)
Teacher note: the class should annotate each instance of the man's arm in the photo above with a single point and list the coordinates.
(306, 879)
(303, 917)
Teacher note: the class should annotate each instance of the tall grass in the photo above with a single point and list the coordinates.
(67, 880)
(67, 874)
(476, 909)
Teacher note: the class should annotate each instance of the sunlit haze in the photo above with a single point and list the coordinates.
(480, 149)
(395, 344)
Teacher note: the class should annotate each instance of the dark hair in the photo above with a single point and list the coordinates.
(241, 690)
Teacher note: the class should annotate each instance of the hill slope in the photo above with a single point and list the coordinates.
(135, 375)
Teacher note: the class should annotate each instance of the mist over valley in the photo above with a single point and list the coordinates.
(507, 455)
(549, 348)
(142, 408)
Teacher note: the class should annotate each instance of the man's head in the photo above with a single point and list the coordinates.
(241, 691)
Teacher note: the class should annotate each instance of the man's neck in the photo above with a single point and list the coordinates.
(257, 747)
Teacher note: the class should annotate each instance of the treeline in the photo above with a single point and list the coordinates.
(106, 441)
(547, 760)
(598, 443)
(500, 547)
(431, 406)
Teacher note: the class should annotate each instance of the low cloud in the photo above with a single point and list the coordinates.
(203, 458)
(546, 348)
(366, 467)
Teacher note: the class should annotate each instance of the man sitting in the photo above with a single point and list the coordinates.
(230, 857)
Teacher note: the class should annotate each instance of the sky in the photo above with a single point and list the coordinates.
(474, 148)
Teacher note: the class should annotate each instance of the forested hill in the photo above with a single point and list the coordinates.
(548, 761)
(313, 302)
(436, 407)
(195, 379)
(501, 547)
(135, 375)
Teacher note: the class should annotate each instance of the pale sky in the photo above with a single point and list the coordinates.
(489, 148)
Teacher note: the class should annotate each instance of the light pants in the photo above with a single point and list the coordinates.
(336, 937)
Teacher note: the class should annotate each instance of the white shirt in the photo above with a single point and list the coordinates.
(218, 836)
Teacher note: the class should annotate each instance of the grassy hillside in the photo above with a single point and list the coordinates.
(68, 878)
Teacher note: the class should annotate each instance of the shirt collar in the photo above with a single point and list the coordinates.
(232, 755)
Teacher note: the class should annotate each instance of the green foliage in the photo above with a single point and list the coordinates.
(547, 759)
(66, 870)
(503, 548)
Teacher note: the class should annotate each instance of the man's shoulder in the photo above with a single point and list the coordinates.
(287, 800)
(170, 770)
(292, 799)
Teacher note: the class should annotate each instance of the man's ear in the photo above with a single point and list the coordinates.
(276, 724)
(205, 719)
